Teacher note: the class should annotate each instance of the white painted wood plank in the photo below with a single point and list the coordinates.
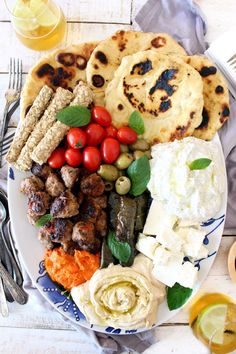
(220, 16)
(177, 340)
(171, 339)
(104, 11)
(36, 341)
(76, 32)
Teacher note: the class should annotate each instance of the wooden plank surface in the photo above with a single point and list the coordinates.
(100, 11)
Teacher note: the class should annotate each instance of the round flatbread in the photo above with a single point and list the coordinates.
(215, 94)
(163, 88)
(61, 68)
(109, 53)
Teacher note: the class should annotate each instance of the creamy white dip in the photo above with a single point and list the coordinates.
(194, 195)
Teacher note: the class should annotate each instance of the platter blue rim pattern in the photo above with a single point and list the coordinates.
(63, 301)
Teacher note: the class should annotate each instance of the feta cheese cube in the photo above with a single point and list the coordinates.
(158, 220)
(192, 239)
(170, 239)
(187, 276)
(167, 266)
(147, 245)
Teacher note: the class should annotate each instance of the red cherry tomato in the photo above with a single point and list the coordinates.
(126, 135)
(57, 158)
(91, 158)
(76, 138)
(111, 132)
(73, 157)
(101, 116)
(110, 150)
(95, 134)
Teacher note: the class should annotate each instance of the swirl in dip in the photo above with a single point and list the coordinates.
(193, 195)
(124, 297)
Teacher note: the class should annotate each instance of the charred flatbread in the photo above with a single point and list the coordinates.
(163, 88)
(108, 55)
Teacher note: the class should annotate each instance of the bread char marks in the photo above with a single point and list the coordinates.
(55, 77)
(162, 83)
(158, 42)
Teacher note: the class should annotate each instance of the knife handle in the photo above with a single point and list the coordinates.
(18, 294)
(3, 301)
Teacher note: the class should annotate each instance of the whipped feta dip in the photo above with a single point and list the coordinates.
(194, 195)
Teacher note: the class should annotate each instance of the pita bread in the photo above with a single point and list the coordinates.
(163, 88)
(216, 97)
(61, 68)
(108, 55)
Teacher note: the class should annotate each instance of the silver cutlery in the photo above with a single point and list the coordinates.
(18, 294)
(12, 94)
(232, 62)
(3, 301)
(15, 268)
(5, 144)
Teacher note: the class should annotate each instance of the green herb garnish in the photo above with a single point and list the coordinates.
(74, 116)
(43, 220)
(177, 296)
(136, 122)
(120, 250)
(139, 174)
(200, 164)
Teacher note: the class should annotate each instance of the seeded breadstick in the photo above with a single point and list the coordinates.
(61, 99)
(27, 126)
(57, 132)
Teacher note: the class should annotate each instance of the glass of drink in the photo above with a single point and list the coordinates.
(212, 318)
(38, 24)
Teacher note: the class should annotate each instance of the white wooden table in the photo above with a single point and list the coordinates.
(28, 330)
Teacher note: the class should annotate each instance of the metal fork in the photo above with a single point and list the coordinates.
(5, 144)
(12, 94)
(232, 62)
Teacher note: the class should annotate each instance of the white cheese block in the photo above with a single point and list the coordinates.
(188, 275)
(147, 245)
(158, 220)
(192, 239)
(170, 240)
(169, 268)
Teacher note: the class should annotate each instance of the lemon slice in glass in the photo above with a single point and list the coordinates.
(45, 17)
(23, 17)
(212, 322)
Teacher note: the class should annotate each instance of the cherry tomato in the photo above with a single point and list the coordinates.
(111, 132)
(110, 150)
(76, 138)
(101, 116)
(126, 135)
(91, 158)
(73, 157)
(95, 134)
(57, 158)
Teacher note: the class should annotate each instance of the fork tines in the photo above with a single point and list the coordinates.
(15, 74)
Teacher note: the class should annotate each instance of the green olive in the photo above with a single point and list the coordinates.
(140, 144)
(108, 186)
(123, 185)
(137, 154)
(108, 172)
(123, 161)
(124, 148)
